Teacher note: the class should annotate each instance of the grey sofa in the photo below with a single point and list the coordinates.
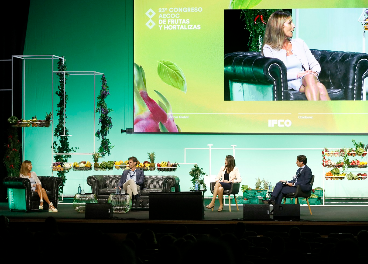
(104, 185)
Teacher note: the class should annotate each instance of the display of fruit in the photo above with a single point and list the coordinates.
(119, 164)
(83, 165)
(360, 151)
(164, 164)
(351, 176)
(67, 165)
(167, 166)
(329, 173)
(57, 166)
(335, 171)
(363, 176)
(107, 165)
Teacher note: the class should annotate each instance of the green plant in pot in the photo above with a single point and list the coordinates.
(151, 157)
(95, 157)
(48, 119)
(258, 183)
(244, 188)
(197, 174)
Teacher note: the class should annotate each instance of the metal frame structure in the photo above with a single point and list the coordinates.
(70, 73)
(33, 57)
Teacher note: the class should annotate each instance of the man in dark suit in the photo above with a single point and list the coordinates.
(131, 178)
(303, 178)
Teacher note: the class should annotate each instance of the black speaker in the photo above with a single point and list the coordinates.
(256, 212)
(176, 206)
(286, 212)
(98, 211)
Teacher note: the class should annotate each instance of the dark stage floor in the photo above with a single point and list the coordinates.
(325, 219)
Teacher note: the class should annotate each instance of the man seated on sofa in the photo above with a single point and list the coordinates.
(131, 178)
(303, 178)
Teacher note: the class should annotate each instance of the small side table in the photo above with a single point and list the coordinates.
(80, 200)
(121, 203)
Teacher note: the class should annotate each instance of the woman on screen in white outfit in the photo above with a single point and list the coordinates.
(227, 175)
(302, 67)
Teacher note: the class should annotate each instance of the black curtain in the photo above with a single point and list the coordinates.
(13, 33)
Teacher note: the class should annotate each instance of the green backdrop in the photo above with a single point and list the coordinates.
(98, 36)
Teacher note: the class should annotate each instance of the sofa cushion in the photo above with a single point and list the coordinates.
(153, 182)
(107, 191)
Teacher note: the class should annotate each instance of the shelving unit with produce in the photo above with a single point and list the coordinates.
(345, 171)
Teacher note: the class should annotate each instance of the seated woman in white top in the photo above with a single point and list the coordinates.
(26, 172)
(227, 175)
(302, 67)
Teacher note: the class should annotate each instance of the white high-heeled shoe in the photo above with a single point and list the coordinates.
(52, 209)
(40, 207)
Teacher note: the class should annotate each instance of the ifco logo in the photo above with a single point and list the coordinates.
(150, 24)
(279, 123)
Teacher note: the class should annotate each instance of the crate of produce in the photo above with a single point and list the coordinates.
(318, 192)
(315, 201)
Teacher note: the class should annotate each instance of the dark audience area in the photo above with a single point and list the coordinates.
(234, 245)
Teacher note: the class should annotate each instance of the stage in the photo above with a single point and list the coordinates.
(325, 219)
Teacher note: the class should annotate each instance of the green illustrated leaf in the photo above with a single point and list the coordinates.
(244, 4)
(172, 75)
(162, 127)
(165, 103)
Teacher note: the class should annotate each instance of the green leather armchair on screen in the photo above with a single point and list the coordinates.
(342, 73)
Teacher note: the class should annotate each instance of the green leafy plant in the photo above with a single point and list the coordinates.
(359, 147)
(151, 156)
(255, 22)
(265, 184)
(258, 183)
(96, 156)
(12, 153)
(244, 188)
(61, 145)
(13, 120)
(48, 116)
(197, 174)
(105, 120)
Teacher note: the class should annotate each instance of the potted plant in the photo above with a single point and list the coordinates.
(258, 183)
(151, 157)
(244, 189)
(197, 174)
(48, 119)
(13, 120)
(96, 156)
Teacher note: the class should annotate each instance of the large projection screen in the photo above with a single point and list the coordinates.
(179, 49)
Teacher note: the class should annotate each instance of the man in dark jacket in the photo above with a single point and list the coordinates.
(131, 178)
(302, 177)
